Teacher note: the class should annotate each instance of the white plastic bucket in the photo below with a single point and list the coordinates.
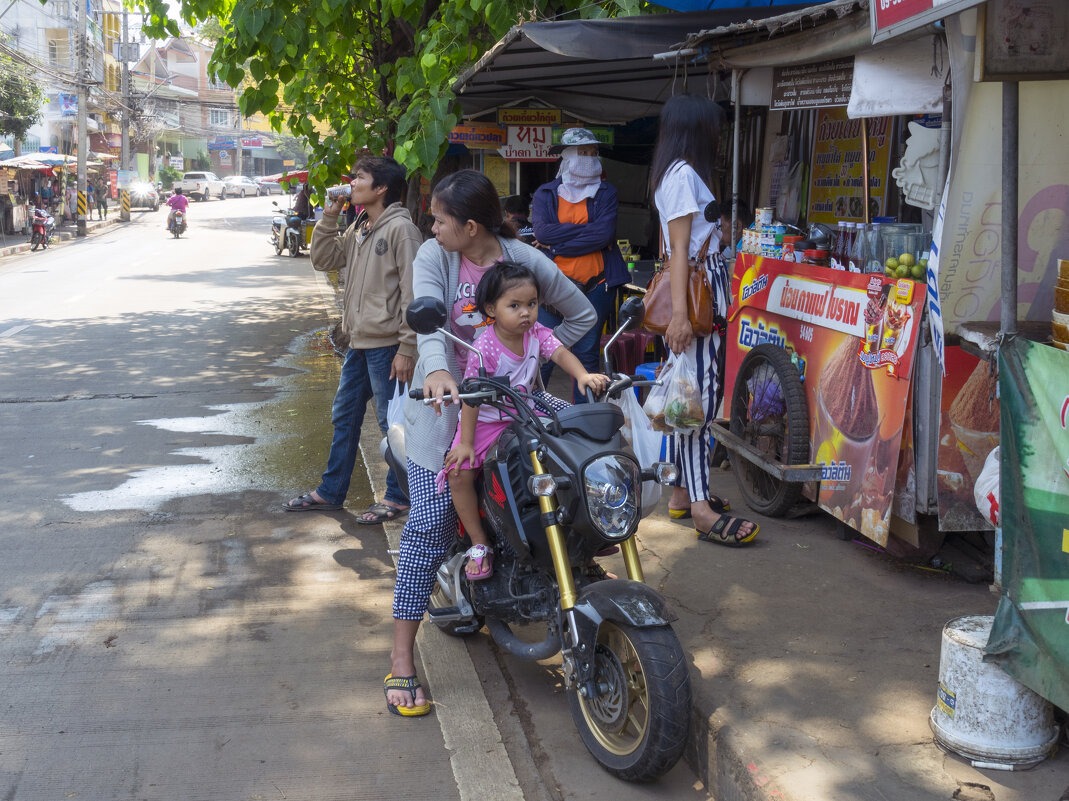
(981, 712)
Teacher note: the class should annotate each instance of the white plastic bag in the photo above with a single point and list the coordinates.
(684, 410)
(395, 410)
(657, 398)
(645, 442)
(985, 490)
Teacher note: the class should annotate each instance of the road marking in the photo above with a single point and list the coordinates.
(14, 330)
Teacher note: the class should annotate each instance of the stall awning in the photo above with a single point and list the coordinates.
(579, 65)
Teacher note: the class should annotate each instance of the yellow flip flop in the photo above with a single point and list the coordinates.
(408, 684)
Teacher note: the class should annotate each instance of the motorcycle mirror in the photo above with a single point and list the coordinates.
(426, 315)
(632, 311)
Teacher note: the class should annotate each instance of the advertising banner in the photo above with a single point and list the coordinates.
(478, 137)
(812, 85)
(968, 432)
(1030, 636)
(855, 336)
(836, 184)
(892, 17)
(529, 116)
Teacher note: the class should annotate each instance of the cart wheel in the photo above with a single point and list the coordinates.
(768, 410)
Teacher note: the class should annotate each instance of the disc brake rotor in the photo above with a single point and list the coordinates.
(609, 708)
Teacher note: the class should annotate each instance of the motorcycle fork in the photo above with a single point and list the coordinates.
(558, 549)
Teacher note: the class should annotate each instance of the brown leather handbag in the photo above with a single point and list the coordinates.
(658, 299)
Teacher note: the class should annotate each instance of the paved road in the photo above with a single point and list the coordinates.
(166, 632)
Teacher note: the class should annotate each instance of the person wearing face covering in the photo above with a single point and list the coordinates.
(574, 222)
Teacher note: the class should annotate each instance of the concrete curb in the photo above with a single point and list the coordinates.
(65, 234)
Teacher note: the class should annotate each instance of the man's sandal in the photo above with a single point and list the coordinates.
(726, 531)
(408, 684)
(716, 503)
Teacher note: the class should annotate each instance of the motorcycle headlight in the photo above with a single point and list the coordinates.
(613, 493)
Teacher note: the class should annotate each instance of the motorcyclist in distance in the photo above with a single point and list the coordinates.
(177, 202)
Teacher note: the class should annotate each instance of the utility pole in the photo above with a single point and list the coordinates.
(239, 156)
(83, 112)
(124, 159)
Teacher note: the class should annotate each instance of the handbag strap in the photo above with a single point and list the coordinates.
(701, 253)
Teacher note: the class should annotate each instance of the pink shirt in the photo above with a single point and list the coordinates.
(467, 321)
(178, 202)
(521, 368)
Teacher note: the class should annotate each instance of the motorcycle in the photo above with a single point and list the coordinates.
(287, 231)
(178, 225)
(557, 488)
(44, 226)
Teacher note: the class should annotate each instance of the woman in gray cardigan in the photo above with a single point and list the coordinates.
(470, 236)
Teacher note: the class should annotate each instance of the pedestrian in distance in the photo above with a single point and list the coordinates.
(470, 237)
(90, 199)
(102, 199)
(574, 222)
(377, 251)
(680, 176)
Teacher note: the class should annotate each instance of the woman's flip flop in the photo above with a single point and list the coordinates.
(726, 531)
(407, 684)
(716, 503)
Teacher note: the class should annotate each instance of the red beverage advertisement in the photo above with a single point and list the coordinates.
(855, 336)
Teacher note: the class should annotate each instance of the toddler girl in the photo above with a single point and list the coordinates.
(511, 345)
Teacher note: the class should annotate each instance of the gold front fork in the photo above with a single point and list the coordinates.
(629, 550)
(558, 549)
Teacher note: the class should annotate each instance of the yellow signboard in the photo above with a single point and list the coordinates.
(529, 116)
(836, 184)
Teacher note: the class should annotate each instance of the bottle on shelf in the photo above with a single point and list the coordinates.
(859, 249)
(836, 245)
(875, 249)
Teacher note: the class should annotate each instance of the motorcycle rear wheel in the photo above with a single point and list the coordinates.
(637, 727)
(35, 240)
(294, 245)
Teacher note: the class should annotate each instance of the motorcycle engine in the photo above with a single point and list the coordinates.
(516, 593)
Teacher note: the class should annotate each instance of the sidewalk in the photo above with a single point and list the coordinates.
(16, 243)
(815, 663)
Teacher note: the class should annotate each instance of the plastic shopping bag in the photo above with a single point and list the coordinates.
(683, 408)
(395, 409)
(657, 399)
(986, 489)
(645, 442)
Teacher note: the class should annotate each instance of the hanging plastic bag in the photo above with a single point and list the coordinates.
(684, 410)
(986, 489)
(645, 442)
(657, 400)
(395, 409)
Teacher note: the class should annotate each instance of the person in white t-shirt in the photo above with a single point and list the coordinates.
(680, 176)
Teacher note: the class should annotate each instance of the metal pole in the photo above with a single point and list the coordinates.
(1010, 123)
(865, 167)
(124, 159)
(736, 76)
(83, 113)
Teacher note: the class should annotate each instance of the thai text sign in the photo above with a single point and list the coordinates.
(812, 85)
(529, 116)
(478, 137)
(528, 143)
(836, 189)
(855, 336)
(892, 17)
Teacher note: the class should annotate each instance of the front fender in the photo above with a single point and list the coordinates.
(630, 603)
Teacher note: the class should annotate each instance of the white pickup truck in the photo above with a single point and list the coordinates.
(202, 185)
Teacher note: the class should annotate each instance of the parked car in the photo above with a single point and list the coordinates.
(144, 195)
(240, 186)
(267, 186)
(202, 185)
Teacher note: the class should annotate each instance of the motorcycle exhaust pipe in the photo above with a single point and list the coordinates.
(504, 637)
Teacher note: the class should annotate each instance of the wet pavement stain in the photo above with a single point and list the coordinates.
(282, 442)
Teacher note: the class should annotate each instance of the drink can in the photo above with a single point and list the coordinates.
(345, 190)
(764, 216)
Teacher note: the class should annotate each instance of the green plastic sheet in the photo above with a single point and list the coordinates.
(1030, 636)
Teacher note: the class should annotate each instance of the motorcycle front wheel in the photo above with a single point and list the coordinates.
(637, 725)
(279, 245)
(35, 240)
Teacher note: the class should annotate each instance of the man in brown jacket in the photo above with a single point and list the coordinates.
(378, 250)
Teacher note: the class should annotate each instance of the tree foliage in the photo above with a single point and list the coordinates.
(378, 72)
(21, 99)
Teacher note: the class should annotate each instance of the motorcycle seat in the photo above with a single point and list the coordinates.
(599, 421)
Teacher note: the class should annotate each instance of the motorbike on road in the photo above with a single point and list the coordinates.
(557, 488)
(44, 227)
(178, 225)
(287, 231)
